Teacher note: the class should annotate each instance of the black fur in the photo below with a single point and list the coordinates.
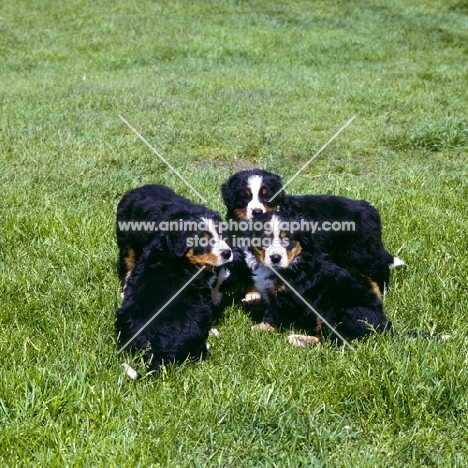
(155, 203)
(234, 196)
(160, 268)
(347, 303)
(361, 250)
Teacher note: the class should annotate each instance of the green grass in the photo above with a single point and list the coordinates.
(217, 87)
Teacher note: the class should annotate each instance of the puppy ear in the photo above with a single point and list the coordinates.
(228, 195)
(279, 198)
(154, 252)
(307, 241)
(177, 243)
(170, 244)
(303, 240)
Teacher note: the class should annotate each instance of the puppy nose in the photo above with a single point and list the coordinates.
(275, 258)
(225, 254)
(257, 212)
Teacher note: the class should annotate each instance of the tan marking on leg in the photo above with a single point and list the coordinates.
(205, 259)
(318, 328)
(374, 286)
(303, 340)
(263, 326)
(130, 262)
(279, 288)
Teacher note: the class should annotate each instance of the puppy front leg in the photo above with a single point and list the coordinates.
(154, 363)
(270, 317)
(252, 297)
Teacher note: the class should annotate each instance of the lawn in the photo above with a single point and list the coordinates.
(217, 87)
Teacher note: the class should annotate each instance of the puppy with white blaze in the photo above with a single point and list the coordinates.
(249, 194)
(291, 268)
(170, 278)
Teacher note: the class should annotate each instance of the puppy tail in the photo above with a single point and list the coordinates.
(396, 263)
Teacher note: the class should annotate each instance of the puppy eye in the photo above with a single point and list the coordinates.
(248, 193)
(264, 190)
(283, 234)
(207, 235)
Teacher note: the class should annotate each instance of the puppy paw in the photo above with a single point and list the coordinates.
(303, 340)
(213, 332)
(251, 299)
(130, 371)
(263, 326)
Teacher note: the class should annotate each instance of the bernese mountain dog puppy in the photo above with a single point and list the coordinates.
(165, 242)
(289, 267)
(247, 195)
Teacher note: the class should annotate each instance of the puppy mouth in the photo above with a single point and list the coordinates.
(276, 260)
(257, 212)
(271, 260)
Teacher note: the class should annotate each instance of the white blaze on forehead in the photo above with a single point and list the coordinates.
(254, 183)
(211, 228)
(276, 247)
(275, 226)
(217, 244)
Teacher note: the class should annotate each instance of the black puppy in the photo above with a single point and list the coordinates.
(341, 299)
(164, 242)
(247, 195)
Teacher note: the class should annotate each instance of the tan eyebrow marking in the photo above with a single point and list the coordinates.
(293, 253)
(206, 259)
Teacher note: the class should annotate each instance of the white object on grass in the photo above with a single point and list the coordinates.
(397, 262)
(130, 371)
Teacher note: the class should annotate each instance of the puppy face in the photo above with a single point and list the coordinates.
(207, 247)
(247, 194)
(274, 246)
